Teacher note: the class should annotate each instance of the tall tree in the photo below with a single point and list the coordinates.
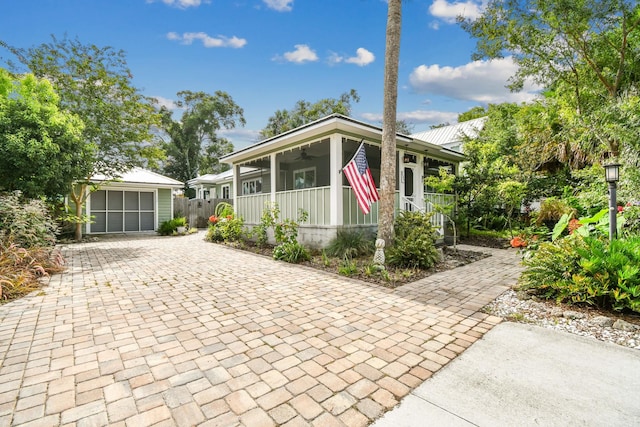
(304, 112)
(474, 113)
(404, 127)
(192, 143)
(586, 48)
(41, 146)
(95, 83)
(388, 154)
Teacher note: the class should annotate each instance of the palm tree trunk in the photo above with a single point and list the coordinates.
(388, 155)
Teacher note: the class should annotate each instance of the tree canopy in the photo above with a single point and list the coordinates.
(95, 84)
(191, 144)
(304, 112)
(585, 53)
(41, 147)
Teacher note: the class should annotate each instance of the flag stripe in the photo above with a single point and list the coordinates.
(359, 176)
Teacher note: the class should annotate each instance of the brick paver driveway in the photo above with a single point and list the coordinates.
(177, 331)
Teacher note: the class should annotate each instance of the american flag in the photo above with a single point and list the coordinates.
(359, 176)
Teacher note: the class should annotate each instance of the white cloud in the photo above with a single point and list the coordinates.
(363, 57)
(302, 54)
(240, 137)
(479, 81)
(182, 4)
(207, 40)
(449, 11)
(417, 116)
(279, 5)
(169, 104)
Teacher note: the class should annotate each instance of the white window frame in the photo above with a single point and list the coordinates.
(225, 188)
(248, 189)
(304, 173)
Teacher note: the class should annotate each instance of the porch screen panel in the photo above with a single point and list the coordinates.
(99, 200)
(131, 221)
(99, 224)
(146, 221)
(146, 201)
(114, 222)
(115, 200)
(147, 207)
(131, 200)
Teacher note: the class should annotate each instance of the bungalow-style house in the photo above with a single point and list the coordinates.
(136, 201)
(215, 186)
(302, 169)
(452, 137)
(212, 186)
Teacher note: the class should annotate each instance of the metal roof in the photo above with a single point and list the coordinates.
(140, 176)
(448, 135)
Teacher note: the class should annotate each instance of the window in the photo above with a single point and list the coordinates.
(304, 178)
(225, 191)
(252, 186)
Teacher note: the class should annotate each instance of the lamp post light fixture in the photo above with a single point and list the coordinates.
(612, 175)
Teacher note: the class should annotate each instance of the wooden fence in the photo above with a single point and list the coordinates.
(197, 211)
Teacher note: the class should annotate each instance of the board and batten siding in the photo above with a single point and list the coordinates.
(164, 205)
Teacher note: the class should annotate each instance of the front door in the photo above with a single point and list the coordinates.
(409, 188)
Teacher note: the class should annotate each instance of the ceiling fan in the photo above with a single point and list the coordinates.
(304, 156)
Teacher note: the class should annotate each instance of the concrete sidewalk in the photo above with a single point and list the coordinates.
(524, 375)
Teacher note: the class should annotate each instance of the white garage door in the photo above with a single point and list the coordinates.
(121, 211)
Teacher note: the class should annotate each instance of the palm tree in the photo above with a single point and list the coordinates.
(388, 155)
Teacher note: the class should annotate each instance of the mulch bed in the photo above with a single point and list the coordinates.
(395, 276)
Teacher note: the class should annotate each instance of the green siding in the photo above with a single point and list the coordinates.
(164, 205)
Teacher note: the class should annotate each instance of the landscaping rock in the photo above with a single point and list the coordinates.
(625, 326)
(570, 314)
(602, 321)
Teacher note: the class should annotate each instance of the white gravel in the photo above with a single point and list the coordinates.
(590, 323)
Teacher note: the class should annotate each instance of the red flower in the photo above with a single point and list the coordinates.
(518, 242)
(620, 209)
(213, 219)
(229, 217)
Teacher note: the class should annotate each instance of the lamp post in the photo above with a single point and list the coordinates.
(612, 175)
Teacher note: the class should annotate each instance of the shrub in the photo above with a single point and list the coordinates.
(631, 216)
(285, 233)
(347, 267)
(292, 252)
(590, 270)
(414, 244)
(180, 221)
(350, 243)
(21, 268)
(227, 229)
(27, 223)
(551, 210)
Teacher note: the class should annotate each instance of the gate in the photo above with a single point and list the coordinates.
(197, 211)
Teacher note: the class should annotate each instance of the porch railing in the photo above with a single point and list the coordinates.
(440, 199)
(315, 201)
(438, 220)
(351, 213)
(251, 207)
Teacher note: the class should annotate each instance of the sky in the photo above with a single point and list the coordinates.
(269, 54)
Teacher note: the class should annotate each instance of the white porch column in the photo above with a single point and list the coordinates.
(419, 185)
(274, 175)
(236, 186)
(335, 190)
